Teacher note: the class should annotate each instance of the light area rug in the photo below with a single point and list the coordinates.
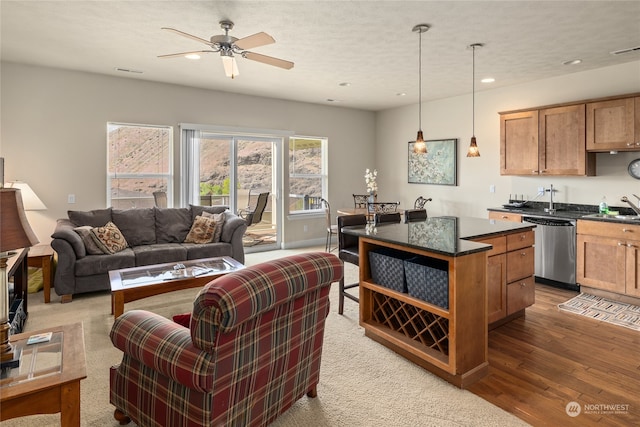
(599, 308)
(362, 383)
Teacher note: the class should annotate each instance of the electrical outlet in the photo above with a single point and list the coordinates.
(540, 191)
(492, 188)
(71, 198)
(305, 228)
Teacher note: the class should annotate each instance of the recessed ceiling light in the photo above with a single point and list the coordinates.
(127, 70)
(333, 100)
(401, 94)
(572, 62)
(488, 80)
(345, 84)
(192, 56)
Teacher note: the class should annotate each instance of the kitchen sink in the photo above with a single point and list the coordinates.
(615, 217)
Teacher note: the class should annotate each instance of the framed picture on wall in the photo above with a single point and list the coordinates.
(437, 166)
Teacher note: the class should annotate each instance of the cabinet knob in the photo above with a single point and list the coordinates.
(504, 217)
(629, 245)
(543, 171)
(534, 172)
(627, 230)
(523, 284)
(621, 244)
(523, 236)
(523, 253)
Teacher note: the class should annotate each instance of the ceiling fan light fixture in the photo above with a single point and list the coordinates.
(230, 65)
(192, 56)
(420, 147)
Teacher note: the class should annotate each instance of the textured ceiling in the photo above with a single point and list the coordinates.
(366, 43)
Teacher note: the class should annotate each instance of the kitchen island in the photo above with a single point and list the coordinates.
(446, 335)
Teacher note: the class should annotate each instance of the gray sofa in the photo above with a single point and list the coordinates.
(154, 236)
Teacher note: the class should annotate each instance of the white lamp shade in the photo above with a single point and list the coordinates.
(230, 66)
(30, 200)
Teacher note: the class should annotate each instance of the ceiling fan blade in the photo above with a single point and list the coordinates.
(173, 55)
(269, 60)
(190, 36)
(255, 40)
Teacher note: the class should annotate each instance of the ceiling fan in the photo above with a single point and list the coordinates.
(229, 46)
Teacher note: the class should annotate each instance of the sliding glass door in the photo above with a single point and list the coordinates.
(233, 170)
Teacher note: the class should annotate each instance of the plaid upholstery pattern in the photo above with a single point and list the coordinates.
(253, 348)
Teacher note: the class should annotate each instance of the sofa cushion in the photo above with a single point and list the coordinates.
(101, 264)
(109, 238)
(207, 250)
(202, 230)
(219, 221)
(197, 210)
(159, 253)
(172, 224)
(94, 218)
(88, 239)
(137, 225)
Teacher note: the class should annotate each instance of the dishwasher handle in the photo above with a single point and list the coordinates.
(551, 222)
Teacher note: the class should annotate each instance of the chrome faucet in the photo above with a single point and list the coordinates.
(635, 208)
(550, 209)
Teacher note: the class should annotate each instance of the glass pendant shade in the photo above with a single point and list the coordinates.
(420, 147)
(473, 148)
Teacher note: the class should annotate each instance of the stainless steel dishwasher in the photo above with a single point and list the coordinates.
(555, 250)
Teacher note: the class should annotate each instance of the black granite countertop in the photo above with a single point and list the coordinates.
(446, 235)
(567, 211)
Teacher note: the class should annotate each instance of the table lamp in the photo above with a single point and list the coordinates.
(15, 233)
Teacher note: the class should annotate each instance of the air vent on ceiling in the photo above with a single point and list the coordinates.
(628, 50)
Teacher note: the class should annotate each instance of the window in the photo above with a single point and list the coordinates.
(139, 163)
(307, 173)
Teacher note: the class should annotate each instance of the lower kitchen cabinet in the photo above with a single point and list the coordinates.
(510, 268)
(608, 256)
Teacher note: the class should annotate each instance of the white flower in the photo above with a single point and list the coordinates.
(370, 180)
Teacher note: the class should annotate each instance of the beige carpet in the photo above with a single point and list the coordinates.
(361, 382)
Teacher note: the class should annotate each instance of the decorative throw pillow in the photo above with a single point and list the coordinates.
(219, 220)
(183, 319)
(87, 238)
(202, 230)
(109, 238)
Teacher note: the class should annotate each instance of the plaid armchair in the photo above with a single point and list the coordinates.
(252, 349)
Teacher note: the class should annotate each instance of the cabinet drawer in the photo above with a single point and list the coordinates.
(505, 216)
(499, 244)
(520, 240)
(612, 230)
(520, 294)
(520, 264)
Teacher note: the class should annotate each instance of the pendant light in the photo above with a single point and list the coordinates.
(473, 147)
(420, 147)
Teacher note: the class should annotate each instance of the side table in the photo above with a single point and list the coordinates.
(41, 256)
(48, 379)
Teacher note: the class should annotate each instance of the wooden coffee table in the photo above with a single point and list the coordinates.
(48, 379)
(131, 284)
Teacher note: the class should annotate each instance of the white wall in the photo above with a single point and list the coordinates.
(451, 118)
(53, 134)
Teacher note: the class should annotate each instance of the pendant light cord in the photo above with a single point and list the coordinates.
(473, 90)
(420, 83)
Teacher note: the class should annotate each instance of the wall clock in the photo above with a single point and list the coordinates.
(634, 168)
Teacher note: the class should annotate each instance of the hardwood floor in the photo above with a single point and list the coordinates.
(548, 358)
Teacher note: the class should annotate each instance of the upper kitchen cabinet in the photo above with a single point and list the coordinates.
(614, 125)
(519, 143)
(549, 141)
(561, 142)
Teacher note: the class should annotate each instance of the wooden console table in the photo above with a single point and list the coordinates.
(51, 386)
